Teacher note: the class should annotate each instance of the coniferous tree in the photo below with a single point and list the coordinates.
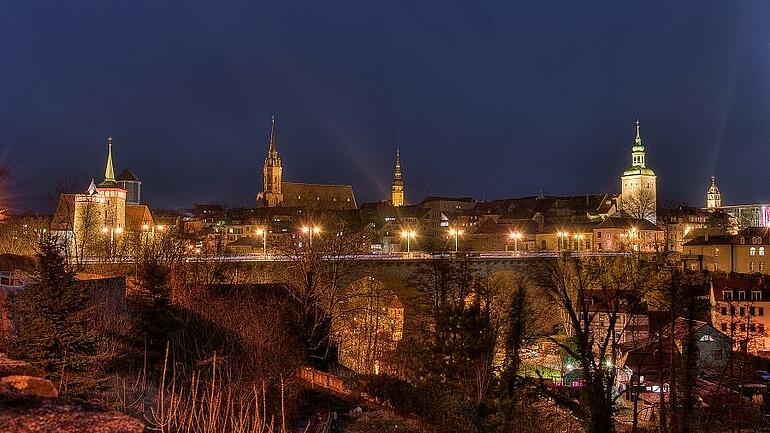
(54, 323)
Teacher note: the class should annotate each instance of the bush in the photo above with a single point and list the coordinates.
(440, 404)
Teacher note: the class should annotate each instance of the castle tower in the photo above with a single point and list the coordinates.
(638, 184)
(114, 213)
(713, 196)
(271, 195)
(397, 191)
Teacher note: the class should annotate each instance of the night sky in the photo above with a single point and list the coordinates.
(490, 98)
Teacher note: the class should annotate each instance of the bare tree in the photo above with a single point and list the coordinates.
(321, 266)
(640, 203)
(595, 294)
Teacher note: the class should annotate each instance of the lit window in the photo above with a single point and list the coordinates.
(756, 295)
(753, 251)
(752, 266)
(716, 252)
(761, 251)
(707, 338)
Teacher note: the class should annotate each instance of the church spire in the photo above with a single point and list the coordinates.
(109, 172)
(397, 189)
(397, 168)
(638, 139)
(273, 150)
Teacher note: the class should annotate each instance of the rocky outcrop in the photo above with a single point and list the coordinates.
(41, 415)
(30, 404)
(28, 385)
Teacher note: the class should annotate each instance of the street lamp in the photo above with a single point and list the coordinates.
(562, 235)
(311, 231)
(112, 231)
(263, 233)
(578, 239)
(409, 235)
(456, 233)
(515, 236)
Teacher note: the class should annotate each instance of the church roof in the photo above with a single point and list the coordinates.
(136, 216)
(627, 223)
(318, 196)
(127, 176)
(636, 170)
(64, 216)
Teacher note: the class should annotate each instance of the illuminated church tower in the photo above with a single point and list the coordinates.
(397, 191)
(271, 195)
(713, 196)
(638, 184)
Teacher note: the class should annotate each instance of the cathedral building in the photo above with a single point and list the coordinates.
(277, 193)
(397, 191)
(638, 187)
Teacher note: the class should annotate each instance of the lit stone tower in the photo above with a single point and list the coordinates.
(638, 184)
(713, 196)
(397, 191)
(271, 194)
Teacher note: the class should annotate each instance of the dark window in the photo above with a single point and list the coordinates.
(724, 327)
(761, 311)
(717, 354)
(752, 311)
(743, 311)
(724, 311)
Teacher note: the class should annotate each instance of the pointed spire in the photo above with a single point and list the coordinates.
(273, 150)
(109, 172)
(638, 139)
(397, 168)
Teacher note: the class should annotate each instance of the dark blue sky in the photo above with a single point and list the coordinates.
(489, 98)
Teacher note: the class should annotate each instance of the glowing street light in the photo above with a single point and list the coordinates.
(409, 235)
(456, 233)
(112, 231)
(263, 233)
(562, 236)
(578, 239)
(311, 231)
(515, 236)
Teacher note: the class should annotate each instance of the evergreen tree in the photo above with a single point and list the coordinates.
(54, 323)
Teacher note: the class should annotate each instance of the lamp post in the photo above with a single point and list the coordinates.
(578, 238)
(456, 233)
(112, 231)
(515, 236)
(408, 234)
(263, 233)
(562, 236)
(311, 231)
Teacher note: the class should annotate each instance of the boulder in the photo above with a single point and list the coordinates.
(42, 415)
(28, 385)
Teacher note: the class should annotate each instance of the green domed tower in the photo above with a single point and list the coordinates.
(638, 184)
